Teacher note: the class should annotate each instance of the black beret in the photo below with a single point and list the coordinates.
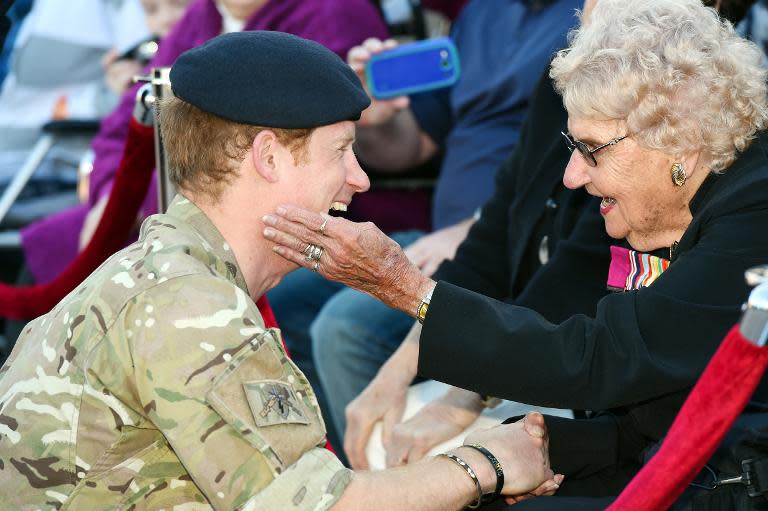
(270, 79)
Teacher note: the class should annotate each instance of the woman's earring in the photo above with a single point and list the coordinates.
(678, 174)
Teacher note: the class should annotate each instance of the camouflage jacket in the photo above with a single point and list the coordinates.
(154, 385)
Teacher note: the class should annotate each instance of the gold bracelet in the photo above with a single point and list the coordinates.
(463, 464)
(421, 312)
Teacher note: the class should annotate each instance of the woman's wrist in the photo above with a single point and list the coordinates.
(414, 301)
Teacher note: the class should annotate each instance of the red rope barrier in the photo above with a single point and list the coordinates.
(714, 404)
(131, 184)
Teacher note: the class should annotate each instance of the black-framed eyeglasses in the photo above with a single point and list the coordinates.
(586, 152)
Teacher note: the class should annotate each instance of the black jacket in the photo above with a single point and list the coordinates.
(637, 354)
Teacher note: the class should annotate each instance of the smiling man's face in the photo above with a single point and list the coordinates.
(328, 175)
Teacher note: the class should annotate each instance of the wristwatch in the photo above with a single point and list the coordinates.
(421, 312)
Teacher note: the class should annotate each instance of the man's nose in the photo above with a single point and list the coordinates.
(357, 178)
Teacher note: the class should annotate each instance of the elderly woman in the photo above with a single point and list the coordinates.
(665, 105)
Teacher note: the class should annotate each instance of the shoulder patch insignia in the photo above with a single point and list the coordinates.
(274, 402)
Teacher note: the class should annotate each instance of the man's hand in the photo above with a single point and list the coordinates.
(437, 422)
(438, 484)
(430, 251)
(381, 111)
(522, 450)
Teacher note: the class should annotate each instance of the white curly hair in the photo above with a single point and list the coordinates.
(679, 76)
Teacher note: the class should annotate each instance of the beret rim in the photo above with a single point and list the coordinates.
(316, 89)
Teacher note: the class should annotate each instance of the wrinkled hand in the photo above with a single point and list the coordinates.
(522, 448)
(380, 111)
(358, 255)
(382, 400)
(429, 251)
(434, 424)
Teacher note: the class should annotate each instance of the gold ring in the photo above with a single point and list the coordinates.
(322, 227)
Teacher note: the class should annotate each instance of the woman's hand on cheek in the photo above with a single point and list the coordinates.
(358, 255)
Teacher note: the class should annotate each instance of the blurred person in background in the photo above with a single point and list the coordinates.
(121, 67)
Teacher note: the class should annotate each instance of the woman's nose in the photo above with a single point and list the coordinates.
(576, 174)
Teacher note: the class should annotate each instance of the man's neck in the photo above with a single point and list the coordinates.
(241, 226)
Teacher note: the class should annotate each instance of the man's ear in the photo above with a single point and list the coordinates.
(263, 155)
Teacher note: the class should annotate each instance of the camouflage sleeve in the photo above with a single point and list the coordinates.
(240, 416)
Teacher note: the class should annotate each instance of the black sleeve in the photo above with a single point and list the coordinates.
(580, 448)
(640, 345)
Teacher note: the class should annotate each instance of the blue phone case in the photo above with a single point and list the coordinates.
(413, 67)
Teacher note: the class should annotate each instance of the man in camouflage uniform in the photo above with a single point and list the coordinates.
(155, 384)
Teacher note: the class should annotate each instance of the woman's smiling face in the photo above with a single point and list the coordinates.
(639, 200)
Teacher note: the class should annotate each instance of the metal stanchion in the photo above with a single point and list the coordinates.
(754, 322)
(160, 87)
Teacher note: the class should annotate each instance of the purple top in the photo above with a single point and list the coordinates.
(52, 243)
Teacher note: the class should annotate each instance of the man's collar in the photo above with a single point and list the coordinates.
(185, 210)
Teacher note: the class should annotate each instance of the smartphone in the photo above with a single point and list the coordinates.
(413, 67)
